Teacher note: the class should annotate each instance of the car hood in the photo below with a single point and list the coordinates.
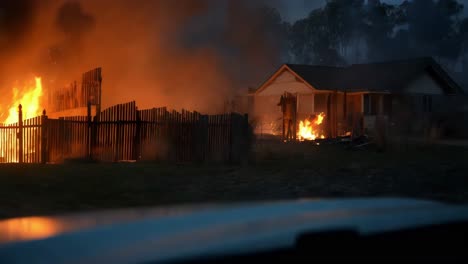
(161, 234)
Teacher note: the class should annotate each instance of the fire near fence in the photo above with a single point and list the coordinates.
(123, 133)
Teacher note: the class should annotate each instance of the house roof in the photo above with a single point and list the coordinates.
(390, 76)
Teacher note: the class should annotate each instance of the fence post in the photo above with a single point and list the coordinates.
(61, 138)
(239, 138)
(20, 133)
(236, 138)
(44, 129)
(89, 131)
(202, 137)
(118, 140)
(247, 140)
(232, 133)
(137, 139)
(94, 136)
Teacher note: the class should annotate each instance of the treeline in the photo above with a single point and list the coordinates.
(359, 31)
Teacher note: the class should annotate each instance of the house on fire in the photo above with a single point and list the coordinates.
(406, 91)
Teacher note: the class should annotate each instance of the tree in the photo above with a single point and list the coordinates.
(463, 33)
(299, 42)
(344, 21)
(357, 30)
(380, 21)
(323, 36)
(432, 26)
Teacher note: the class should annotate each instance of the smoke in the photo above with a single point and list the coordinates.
(180, 54)
(15, 20)
(72, 20)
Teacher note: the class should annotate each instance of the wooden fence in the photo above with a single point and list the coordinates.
(123, 133)
(22, 141)
(66, 138)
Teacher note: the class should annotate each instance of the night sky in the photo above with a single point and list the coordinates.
(292, 10)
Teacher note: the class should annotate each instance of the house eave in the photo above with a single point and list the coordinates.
(283, 68)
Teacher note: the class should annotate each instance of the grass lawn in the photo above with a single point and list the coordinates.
(278, 171)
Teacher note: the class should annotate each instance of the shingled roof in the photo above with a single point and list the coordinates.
(389, 77)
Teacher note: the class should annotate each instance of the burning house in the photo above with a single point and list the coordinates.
(336, 101)
(76, 99)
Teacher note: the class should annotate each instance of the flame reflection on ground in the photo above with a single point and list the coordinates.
(28, 228)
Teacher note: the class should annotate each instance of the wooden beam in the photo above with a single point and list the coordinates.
(329, 116)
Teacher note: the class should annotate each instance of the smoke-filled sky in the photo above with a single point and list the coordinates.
(292, 10)
(182, 53)
(178, 53)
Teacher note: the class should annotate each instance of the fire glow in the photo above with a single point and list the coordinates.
(28, 228)
(29, 96)
(309, 128)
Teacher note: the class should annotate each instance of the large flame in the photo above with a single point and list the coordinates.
(309, 128)
(29, 97)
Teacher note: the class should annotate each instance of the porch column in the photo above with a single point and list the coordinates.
(380, 104)
(345, 106)
(328, 115)
(335, 114)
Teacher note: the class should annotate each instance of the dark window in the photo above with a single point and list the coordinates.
(387, 104)
(374, 102)
(427, 103)
(370, 104)
(366, 104)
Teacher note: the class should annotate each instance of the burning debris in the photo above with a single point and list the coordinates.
(309, 129)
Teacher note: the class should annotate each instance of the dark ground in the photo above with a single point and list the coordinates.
(279, 171)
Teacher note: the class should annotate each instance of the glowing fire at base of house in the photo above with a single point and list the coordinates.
(309, 129)
(29, 96)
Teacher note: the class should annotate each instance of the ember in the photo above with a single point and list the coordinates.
(309, 129)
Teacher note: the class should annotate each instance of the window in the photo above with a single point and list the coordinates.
(370, 104)
(366, 104)
(305, 103)
(427, 103)
(387, 107)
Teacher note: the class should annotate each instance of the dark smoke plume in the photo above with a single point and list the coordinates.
(16, 18)
(181, 54)
(73, 21)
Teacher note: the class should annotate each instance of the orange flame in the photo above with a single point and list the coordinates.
(29, 97)
(308, 129)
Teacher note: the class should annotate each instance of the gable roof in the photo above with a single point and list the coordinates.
(391, 76)
(283, 68)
